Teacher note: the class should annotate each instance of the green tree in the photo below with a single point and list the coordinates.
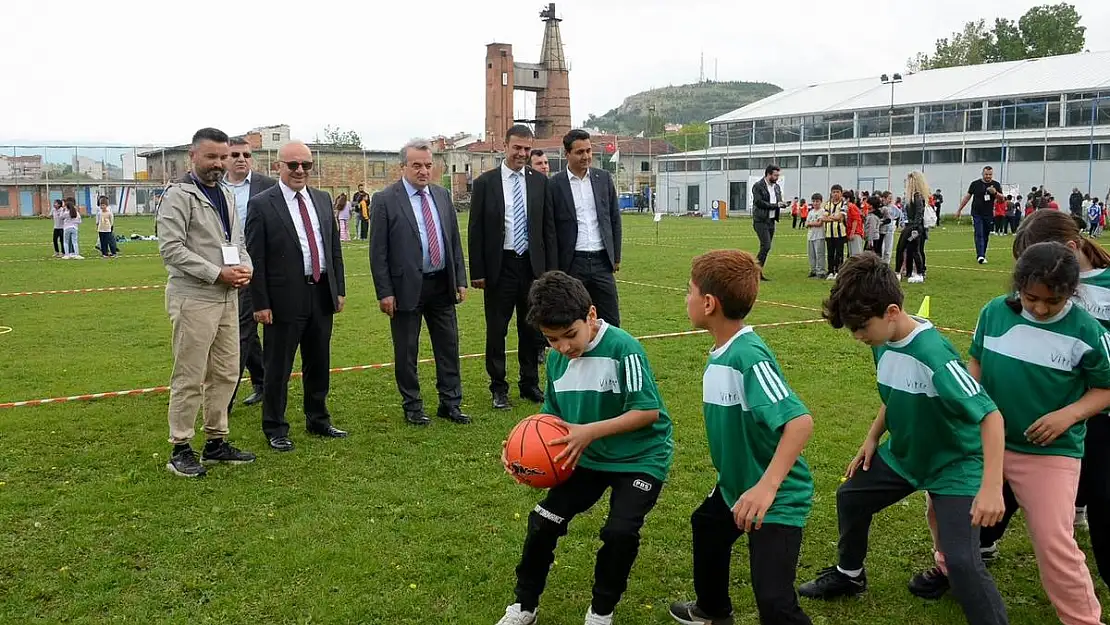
(1045, 30)
(338, 136)
(691, 137)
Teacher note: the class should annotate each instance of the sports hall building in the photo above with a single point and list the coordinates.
(1037, 122)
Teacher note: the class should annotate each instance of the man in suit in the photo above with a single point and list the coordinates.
(588, 225)
(417, 263)
(244, 184)
(768, 203)
(512, 242)
(297, 288)
(537, 160)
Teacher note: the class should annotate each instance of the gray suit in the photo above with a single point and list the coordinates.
(397, 266)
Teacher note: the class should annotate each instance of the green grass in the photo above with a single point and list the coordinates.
(396, 524)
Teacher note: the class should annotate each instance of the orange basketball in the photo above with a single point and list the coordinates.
(530, 454)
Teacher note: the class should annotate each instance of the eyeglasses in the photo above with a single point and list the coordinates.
(293, 165)
(238, 154)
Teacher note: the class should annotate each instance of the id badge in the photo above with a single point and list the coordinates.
(231, 255)
(986, 197)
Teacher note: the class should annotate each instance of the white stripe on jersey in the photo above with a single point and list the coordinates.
(769, 382)
(1038, 346)
(963, 378)
(633, 373)
(1105, 340)
(775, 381)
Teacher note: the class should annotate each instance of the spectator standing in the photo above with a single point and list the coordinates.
(70, 223)
(59, 215)
(981, 193)
(343, 216)
(815, 237)
(104, 222)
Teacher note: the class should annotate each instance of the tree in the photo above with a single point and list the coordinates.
(1046, 30)
(340, 137)
(691, 137)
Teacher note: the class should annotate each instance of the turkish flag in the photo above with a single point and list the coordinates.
(610, 148)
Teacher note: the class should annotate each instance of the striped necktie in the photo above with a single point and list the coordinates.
(520, 216)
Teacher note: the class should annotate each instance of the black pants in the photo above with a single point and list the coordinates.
(596, 272)
(765, 231)
(795, 224)
(999, 224)
(250, 348)
(510, 293)
(633, 496)
(868, 492)
(834, 251)
(437, 309)
(59, 241)
(312, 334)
(877, 244)
(911, 251)
(1094, 493)
(772, 558)
(363, 228)
(107, 243)
(1015, 220)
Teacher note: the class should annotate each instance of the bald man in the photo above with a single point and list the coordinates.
(297, 287)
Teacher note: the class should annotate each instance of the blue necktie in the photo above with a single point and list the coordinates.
(520, 217)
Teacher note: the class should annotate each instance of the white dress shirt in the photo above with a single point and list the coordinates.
(771, 193)
(298, 223)
(507, 183)
(589, 232)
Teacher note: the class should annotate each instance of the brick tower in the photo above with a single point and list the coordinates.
(499, 91)
(553, 103)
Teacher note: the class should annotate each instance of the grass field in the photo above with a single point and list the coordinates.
(397, 524)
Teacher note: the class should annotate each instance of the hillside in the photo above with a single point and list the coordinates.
(681, 104)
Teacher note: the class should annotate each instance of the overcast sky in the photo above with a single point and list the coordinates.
(127, 72)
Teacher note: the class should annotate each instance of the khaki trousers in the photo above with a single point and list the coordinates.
(205, 364)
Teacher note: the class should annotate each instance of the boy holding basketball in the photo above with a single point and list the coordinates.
(600, 385)
(757, 428)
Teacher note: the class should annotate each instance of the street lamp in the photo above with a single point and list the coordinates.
(890, 80)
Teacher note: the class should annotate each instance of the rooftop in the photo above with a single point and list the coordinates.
(1086, 71)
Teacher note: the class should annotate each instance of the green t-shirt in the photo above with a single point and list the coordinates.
(1094, 294)
(610, 378)
(1033, 368)
(933, 411)
(747, 403)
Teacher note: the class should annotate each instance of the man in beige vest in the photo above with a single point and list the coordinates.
(200, 239)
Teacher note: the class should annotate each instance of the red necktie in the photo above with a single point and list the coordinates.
(430, 227)
(312, 248)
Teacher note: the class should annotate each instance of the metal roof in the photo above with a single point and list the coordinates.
(1086, 71)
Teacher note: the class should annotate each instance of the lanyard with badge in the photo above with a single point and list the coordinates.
(230, 252)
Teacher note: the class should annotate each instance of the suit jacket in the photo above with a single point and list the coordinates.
(566, 217)
(260, 183)
(487, 225)
(763, 209)
(278, 283)
(396, 256)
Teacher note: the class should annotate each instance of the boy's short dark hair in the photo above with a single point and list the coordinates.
(836, 187)
(865, 287)
(557, 300)
(816, 196)
(732, 276)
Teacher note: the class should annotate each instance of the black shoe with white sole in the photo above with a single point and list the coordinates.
(832, 584)
(184, 463)
(224, 452)
(688, 613)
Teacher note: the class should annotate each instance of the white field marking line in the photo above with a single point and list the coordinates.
(145, 287)
(382, 365)
(979, 269)
(90, 257)
(758, 301)
(5, 329)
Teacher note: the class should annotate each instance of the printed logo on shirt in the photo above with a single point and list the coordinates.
(642, 485)
(723, 386)
(590, 373)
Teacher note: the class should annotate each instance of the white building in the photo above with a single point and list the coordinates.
(89, 167)
(273, 137)
(1039, 122)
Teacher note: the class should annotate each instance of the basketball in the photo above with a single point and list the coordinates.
(531, 456)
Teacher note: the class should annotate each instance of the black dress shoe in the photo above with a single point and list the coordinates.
(281, 443)
(501, 401)
(532, 394)
(329, 432)
(254, 398)
(417, 417)
(453, 414)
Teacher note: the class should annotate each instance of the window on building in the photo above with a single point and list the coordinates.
(880, 123)
(693, 166)
(815, 128)
(984, 155)
(842, 126)
(845, 160)
(711, 164)
(275, 136)
(788, 130)
(5, 198)
(1068, 152)
(454, 168)
(975, 117)
(943, 157)
(1085, 107)
(1025, 153)
(738, 163)
(944, 118)
(815, 160)
(1103, 152)
(673, 166)
(466, 168)
(740, 133)
(376, 169)
(535, 74)
(873, 159)
(645, 166)
(764, 132)
(906, 157)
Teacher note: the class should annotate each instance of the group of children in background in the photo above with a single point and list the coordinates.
(1009, 429)
(67, 220)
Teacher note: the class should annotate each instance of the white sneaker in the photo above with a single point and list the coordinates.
(597, 619)
(515, 616)
(1081, 519)
(899, 276)
(78, 257)
(915, 279)
(982, 260)
(831, 276)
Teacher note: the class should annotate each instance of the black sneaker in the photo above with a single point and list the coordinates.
(184, 463)
(688, 613)
(831, 584)
(225, 453)
(930, 584)
(989, 554)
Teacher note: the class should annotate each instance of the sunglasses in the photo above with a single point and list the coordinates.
(238, 154)
(294, 165)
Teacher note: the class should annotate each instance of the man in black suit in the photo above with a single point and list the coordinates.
(244, 184)
(512, 242)
(588, 225)
(297, 287)
(417, 263)
(768, 204)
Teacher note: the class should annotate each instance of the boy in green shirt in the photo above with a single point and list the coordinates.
(757, 428)
(600, 384)
(946, 438)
